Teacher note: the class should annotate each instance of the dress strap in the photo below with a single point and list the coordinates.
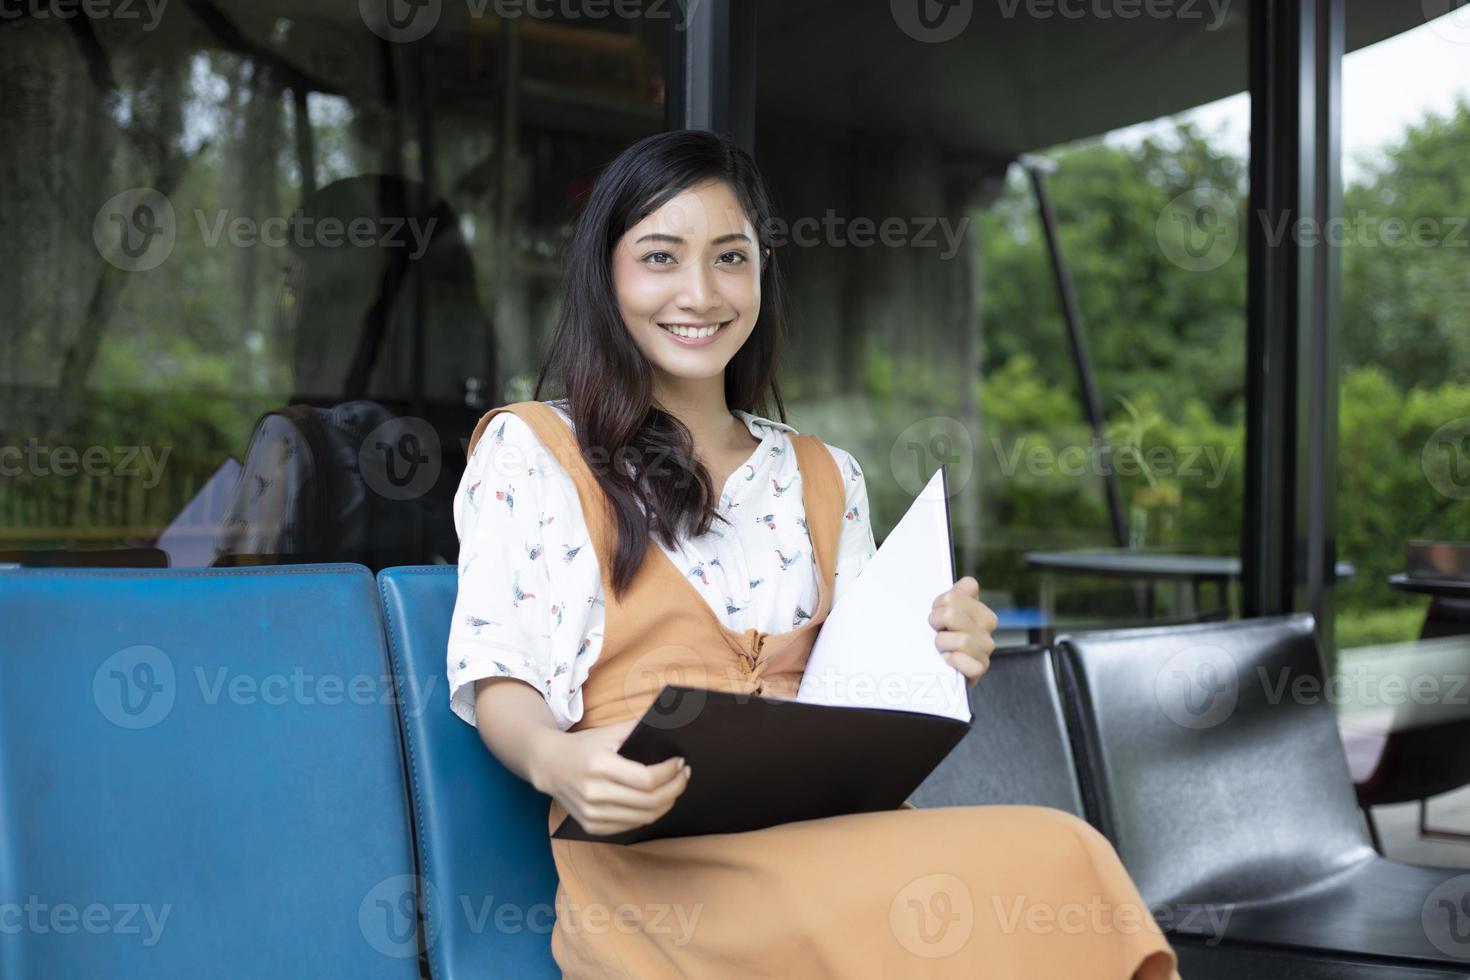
(824, 499)
(561, 442)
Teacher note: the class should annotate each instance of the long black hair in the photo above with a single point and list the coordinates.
(608, 382)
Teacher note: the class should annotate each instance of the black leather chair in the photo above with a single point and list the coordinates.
(1018, 751)
(1231, 962)
(1224, 786)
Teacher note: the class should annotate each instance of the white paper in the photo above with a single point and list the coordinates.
(876, 648)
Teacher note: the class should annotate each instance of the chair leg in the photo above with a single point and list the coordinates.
(1373, 830)
(1427, 831)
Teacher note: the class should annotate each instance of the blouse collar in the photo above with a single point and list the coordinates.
(756, 422)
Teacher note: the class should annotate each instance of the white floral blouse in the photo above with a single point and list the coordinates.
(530, 603)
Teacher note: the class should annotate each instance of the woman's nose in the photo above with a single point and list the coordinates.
(699, 289)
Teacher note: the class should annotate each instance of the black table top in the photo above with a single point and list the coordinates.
(1127, 563)
(1449, 588)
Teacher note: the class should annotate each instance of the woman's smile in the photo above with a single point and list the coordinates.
(694, 334)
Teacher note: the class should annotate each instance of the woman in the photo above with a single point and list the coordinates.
(573, 611)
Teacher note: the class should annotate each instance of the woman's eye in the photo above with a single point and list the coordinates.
(734, 255)
(655, 255)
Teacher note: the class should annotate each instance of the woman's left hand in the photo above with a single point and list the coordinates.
(965, 626)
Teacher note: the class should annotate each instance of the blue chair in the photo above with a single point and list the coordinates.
(200, 775)
(482, 844)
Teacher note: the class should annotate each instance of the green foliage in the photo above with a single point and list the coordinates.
(1168, 349)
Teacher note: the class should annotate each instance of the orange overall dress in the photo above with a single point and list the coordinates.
(999, 892)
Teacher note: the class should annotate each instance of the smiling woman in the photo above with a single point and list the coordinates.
(667, 344)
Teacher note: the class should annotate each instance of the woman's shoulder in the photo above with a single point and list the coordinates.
(509, 447)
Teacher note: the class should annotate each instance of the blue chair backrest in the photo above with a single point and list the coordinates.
(1216, 777)
(1017, 750)
(201, 776)
(484, 855)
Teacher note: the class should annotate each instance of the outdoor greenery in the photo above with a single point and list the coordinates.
(1168, 346)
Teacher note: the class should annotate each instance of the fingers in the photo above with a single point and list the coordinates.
(615, 796)
(609, 807)
(635, 775)
(967, 614)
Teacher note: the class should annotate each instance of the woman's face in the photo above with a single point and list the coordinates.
(694, 264)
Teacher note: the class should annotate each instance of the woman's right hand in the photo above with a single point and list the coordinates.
(607, 792)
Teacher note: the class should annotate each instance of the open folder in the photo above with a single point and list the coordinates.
(877, 710)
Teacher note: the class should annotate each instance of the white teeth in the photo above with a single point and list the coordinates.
(689, 332)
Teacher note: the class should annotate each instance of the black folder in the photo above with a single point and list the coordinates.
(761, 761)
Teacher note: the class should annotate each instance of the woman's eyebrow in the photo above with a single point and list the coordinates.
(657, 236)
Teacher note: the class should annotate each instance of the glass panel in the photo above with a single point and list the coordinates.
(929, 322)
(1402, 625)
(219, 210)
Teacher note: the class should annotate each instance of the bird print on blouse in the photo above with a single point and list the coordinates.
(755, 572)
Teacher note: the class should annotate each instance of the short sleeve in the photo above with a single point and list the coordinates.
(524, 603)
(855, 546)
